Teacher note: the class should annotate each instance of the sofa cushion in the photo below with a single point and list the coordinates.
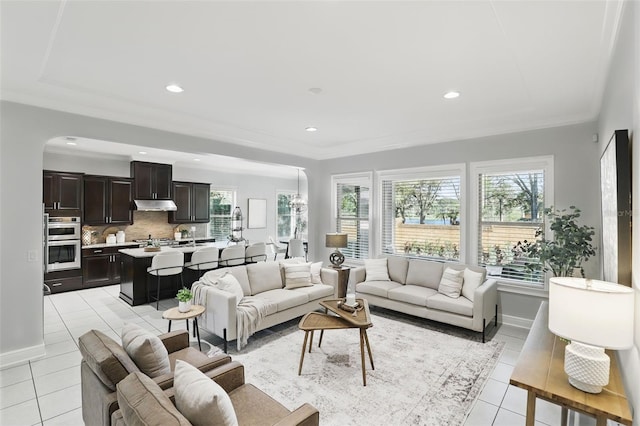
(284, 299)
(315, 273)
(317, 291)
(201, 400)
(106, 358)
(264, 276)
(376, 288)
(146, 350)
(142, 402)
(472, 280)
(229, 283)
(460, 305)
(398, 267)
(413, 294)
(424, 273)
(376, 269)
(297, 275)
(451, 283)
(240, 272)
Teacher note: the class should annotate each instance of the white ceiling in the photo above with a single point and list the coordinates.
(247, 67)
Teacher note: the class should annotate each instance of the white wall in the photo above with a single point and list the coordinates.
(621, 110)
(23, 133)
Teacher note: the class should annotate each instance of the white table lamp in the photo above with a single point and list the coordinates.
(594, 315)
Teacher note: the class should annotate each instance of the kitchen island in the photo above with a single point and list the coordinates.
(135, 280)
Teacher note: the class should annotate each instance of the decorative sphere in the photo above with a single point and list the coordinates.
(336, 258)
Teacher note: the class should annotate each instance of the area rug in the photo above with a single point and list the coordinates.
(424, 374)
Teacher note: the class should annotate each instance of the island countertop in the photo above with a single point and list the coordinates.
(140, 253)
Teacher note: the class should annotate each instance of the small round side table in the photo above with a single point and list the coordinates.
(195, 311)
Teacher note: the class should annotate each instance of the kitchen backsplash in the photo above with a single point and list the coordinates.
(145, 223)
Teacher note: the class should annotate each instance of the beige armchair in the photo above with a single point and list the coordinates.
(105, 363)
(252, 406)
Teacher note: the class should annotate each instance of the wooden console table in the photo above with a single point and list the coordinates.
(540, 371)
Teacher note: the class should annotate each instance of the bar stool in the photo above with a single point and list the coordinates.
(203, 260)
(232, 256)
(255, 253)
(165, 264)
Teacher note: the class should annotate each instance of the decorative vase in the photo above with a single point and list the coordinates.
(86, 237)
(184, 306)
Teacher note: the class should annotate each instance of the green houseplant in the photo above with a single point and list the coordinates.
(184, 296)
(570, 246)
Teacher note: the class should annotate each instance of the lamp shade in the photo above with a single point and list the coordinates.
(597, 313)
(336, 240)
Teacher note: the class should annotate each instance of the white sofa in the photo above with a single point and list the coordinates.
(263, 280)
(413, 289)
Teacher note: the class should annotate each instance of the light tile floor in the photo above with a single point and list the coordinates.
(47, 391)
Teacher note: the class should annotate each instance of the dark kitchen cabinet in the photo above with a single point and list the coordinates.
(100, 266)
(192, 201)
(152, 181)
(61, 281)
(62, 193)
(107, 200)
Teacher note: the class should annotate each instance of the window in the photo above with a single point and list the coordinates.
(421, 212)
(221, 203)
(285, 215)
(352, 199)
(511, 197)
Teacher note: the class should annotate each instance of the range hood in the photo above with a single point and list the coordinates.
(155, 205)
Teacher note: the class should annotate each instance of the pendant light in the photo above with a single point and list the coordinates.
(298, 202)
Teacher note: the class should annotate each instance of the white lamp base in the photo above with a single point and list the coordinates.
(587, 367)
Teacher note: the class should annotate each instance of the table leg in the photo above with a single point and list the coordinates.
(304, 346)
(601, 421)
(187, 325)
(531, 408)
(311, 341)
(196, 331)
(321, 334)
(564, 416)
(364, 373)
(366, 340)
(169, 327)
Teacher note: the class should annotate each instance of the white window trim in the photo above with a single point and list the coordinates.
(363, 179)
(545, 163)
(417, 173)
(280, 191)
(216, 188)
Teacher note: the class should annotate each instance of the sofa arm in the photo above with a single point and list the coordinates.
(165, 381)
(305, 415)
(329, 276)
(359, 274)
(220, 314)
(229, 376)
(175, 340)
(485, 299)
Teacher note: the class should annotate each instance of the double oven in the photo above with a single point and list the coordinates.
(62, 247)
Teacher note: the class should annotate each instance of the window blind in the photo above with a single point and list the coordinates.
(352, 217)
(221, 203)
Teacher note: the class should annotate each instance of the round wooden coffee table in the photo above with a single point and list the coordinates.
(195, 311)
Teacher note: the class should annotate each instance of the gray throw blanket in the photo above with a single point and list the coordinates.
(249, 312)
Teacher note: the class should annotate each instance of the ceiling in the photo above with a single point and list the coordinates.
(370, 76)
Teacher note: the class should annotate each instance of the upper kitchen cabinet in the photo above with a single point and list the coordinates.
(62, 193)
(107, 200)
(192, 201)
(152, 181)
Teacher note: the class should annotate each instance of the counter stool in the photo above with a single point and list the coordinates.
(164, 264)
(203, 260)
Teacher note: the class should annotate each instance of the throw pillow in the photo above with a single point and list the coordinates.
(451, 283)
(143, 402)
(230, 284)
(472, 280)
(201, 400)
(376, 269)
(146, 350)
(315, 273)
(297, 275)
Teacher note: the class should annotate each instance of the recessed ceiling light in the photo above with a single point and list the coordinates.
(72, 143)
(451, 95)
(196, 159)
(315, 90)
(174, 88)
(142, 152)
(311, 129)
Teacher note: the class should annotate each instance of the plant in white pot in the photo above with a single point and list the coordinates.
(571, 244)
(184, 299)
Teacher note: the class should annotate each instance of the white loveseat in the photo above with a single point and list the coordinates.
(412, 288)
(262, 280)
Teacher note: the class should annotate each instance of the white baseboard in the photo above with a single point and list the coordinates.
(20, 356)
(516, 321)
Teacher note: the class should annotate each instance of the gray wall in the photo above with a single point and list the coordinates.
(621, 110)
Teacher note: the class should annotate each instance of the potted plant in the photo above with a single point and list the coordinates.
(570, 246)
(184, 299)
